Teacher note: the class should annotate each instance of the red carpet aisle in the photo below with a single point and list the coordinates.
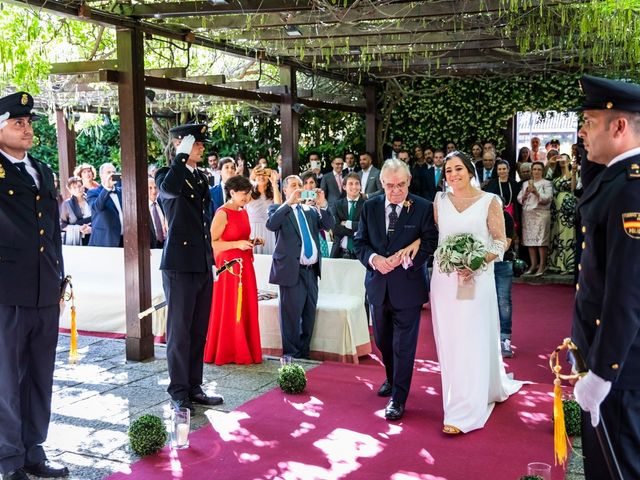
(337, 430)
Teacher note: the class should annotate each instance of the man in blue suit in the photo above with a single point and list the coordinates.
(296, 263)
(396, 289)
(106, 210)
(227, 170)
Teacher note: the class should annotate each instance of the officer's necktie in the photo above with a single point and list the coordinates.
(157, 223)
(393, 218)
(352, 209)
(27, 176)
(304, 231)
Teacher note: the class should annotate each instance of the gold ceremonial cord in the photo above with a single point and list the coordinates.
(554, 360)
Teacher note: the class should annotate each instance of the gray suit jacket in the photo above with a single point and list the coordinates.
(330, 187)
(286, 255)
(373, 186)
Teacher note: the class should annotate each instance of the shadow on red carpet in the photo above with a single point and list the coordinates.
(336, 429)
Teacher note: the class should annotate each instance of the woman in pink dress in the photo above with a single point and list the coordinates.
(234, 333)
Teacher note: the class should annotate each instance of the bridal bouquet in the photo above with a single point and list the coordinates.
(458, 252)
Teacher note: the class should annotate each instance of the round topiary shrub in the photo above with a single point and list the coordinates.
(571, 417)
(147, 435)
(292, 378)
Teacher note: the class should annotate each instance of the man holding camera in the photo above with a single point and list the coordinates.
(187, 262)
(106, 209)
(296, 262)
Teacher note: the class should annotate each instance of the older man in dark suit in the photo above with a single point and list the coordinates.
(106, 210)
(31, 272)
(296, 263)
(396, 289)
(606, 321)
(187, 263)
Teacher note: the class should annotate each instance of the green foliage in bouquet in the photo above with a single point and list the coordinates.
(571, 417)
(147, 435)
(459, 251)
(292, 378)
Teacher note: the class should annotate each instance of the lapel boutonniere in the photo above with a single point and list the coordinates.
(407, 204)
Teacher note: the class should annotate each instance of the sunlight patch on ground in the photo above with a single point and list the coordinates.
(304, 428)
(428, 458)
(311, 408)
(343, 448)
(392, 429)
(414, 476)
(427, 366)
(228, 427)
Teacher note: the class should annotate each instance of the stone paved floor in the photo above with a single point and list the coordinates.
(95, 400)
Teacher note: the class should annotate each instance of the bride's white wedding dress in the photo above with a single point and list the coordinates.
(467, 332)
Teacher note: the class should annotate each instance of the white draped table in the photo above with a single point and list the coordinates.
(341, 331)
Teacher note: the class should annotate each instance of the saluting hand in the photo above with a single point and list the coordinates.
(186, 145)
(3, 119)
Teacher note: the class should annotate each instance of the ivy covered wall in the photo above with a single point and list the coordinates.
(465, 110)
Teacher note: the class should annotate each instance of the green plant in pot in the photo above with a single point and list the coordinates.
(147, 435)
(571, 417)
(292, 378)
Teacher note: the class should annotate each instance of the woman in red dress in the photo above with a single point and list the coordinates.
(234, 333)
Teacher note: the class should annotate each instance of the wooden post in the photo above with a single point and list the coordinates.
(289, 123)
(510, 152)
(370, 120)
(66, 151)
(135, 193)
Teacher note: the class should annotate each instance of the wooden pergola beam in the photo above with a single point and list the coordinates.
(200, 8)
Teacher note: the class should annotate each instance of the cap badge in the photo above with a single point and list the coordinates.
(24, 99)
(204, 129)
(609, 105)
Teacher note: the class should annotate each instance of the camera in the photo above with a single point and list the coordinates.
(116, 177)
(308, 195)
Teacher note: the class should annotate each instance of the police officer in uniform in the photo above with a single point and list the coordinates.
(186, 265)
(606, 323)
(31, 272)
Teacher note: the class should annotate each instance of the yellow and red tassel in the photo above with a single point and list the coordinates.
(239, 303)
(73, 351)
(560, 438)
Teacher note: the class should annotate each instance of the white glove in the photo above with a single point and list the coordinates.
(3, 119)
(185, 145)
(590, 391)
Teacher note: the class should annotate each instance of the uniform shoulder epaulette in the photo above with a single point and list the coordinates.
(633, 171)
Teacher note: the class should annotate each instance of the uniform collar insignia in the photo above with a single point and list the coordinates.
(2, 172)
(633, 171)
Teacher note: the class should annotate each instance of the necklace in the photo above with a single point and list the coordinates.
(504, 200)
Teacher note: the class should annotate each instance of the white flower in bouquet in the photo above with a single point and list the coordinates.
(461, 251)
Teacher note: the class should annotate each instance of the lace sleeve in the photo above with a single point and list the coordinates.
(495, 222)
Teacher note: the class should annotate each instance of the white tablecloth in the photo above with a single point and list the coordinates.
(341, 330)
(98, 284)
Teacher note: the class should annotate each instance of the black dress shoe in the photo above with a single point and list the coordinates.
(209, 400)
(47, 469)
(394, 410)
(15, 475)
(385, 389)
(184, 403)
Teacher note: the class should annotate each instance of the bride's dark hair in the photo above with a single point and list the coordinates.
(464, 158)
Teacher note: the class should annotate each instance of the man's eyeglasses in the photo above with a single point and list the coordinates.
(398, 186)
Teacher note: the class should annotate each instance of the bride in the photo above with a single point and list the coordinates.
(467, 332)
